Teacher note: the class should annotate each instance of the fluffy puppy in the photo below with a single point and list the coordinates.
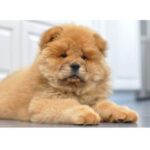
(67, 83)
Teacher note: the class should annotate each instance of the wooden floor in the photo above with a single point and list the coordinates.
(142, 107)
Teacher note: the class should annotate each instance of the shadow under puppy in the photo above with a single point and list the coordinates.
(67, 83)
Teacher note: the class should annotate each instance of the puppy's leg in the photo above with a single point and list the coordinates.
(66, 111)
(111, 112)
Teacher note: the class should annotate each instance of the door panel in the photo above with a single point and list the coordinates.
(9, 47)
(123, 52)
(31, 33)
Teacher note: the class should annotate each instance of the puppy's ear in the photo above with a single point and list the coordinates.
(100, 43)
(49, 36)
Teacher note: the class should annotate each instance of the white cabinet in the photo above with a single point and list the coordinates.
(9, 48)
(127, 56)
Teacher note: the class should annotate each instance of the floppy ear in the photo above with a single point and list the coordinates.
(49, 36)
(100, 43)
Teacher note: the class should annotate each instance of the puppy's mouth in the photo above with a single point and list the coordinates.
(73, 79)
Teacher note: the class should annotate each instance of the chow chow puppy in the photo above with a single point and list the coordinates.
(68, 82)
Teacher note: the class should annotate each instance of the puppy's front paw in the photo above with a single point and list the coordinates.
(82, 115)
(123, 114)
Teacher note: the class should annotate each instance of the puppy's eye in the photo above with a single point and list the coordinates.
(84, 57)
(63, 55)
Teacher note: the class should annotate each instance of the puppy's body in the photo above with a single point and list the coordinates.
(52, 91)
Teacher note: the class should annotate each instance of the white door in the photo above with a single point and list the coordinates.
(123, 52)
(31, 33)
(9, 47)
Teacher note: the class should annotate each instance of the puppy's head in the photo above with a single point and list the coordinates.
(72, 56)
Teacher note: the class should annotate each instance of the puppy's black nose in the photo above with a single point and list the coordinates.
(75, 67)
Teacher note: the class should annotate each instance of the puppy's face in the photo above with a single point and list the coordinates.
(72, 56)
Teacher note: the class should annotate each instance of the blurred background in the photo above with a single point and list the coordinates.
(128, 51)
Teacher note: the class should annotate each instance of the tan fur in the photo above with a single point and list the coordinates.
(45, 92)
